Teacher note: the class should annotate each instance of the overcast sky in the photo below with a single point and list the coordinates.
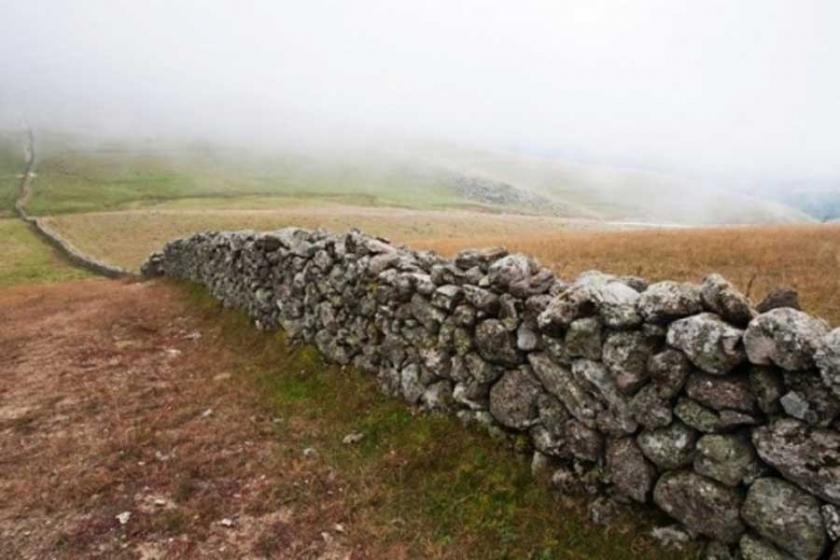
(748, 88)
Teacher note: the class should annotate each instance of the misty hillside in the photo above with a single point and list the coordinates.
(79, 174)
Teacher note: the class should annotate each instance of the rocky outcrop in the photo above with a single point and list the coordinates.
(679, 395)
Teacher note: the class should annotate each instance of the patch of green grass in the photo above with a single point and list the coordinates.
(25, 259)
(11, 166)
(98, 179)
(419, 480)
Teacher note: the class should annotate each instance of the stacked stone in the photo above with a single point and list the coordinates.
(671, 393)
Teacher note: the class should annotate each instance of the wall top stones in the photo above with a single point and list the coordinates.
(677, 394)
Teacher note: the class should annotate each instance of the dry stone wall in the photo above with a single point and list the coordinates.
(673, 394)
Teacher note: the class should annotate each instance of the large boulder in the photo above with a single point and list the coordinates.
(496, 344)
(510, 269)
(631, 474)
(808, 457)
(701, 504)
(513, 399)
(785, 337)
(721, 297)
(827, 358)
(727, 458)
(711, 344)
(786, 516)
(665, 301)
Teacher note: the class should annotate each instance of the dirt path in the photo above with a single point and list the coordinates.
(124, 435)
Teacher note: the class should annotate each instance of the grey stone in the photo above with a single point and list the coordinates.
(784, 337)
(446, 297)
(584, 443)
(831, 520)
(438, 396)
(669, 448)
(481, 299)
(615, 303)
(767, 386)
(808, 457)
(668, 370)
(671, 536)
(718, 551)
(616, 418)
(722, 298)
(426, 314)
(575, 302)
(509, 269)
(701, 504)
(779, 298)
(626, 353)
(754, 548)
(583, 339)
(663, 302)
(809, 399)
(711, 344)
(649, 408)
(513, 399)
(827, 358)
(719, 393)
(628, 469)
(496, 344)
(558, 380)
(727, 458)
(785, 516)
(711, 421)
(526, 338)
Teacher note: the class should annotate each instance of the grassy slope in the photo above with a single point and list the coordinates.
(11, 165)
(421, 481)
(107, 179)
(25, 259)
(82, 175)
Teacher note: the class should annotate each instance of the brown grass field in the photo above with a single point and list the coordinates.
(757, 259)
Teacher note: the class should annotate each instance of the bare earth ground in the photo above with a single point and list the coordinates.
(115, 398)
(140, 420)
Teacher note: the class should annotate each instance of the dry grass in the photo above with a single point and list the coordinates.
(757, 259)
(127, 238)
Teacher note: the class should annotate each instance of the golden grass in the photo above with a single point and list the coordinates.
(756, 259)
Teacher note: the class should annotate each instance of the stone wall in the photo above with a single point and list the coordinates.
(673, 394)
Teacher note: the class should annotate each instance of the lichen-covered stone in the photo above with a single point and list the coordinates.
(649, 408)
(626, 353)
(704, 506)
(665, 301)
(496, 344)
(711, 344)
(584, 339)
(785, 337)
(513, 399)
(727, 458)
(785, 516)
(558, 380)
(721, 392)
(808, 457)
(668, 370)
(754, 548)
(669, 448)
(584, 443)
(767, 386)
(707, 420)
(628, 469)
(722, 298)
(827, 358)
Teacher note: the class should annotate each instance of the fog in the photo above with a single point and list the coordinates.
(747, 90)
